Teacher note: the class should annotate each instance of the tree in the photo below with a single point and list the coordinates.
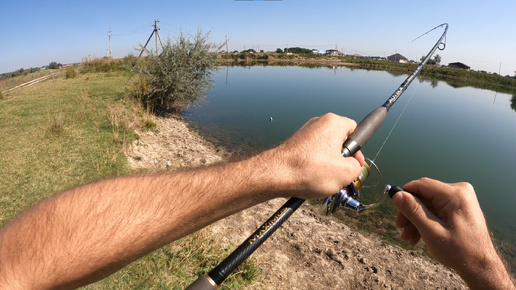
(437, 59)
(279, 50)
(178, 77)
(54, 65)
(298, 50)
(430, 61)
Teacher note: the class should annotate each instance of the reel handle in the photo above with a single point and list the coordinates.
(394, 189)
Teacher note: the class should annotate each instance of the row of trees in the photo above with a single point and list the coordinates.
(434, 61)
(298, 50)
(22, 71)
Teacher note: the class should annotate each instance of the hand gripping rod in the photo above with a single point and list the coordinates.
(365, 129)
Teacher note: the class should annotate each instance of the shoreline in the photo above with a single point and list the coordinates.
(311, 250)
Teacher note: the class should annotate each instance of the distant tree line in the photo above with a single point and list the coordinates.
(298, 50)
(22, 71)
(19, 72)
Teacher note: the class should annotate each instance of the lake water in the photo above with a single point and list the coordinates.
(451, 134)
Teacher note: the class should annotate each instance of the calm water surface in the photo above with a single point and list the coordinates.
(447, 133)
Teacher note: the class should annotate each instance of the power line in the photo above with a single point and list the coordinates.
(136, 30)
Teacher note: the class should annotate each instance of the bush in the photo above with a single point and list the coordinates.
(70, 73)
(106, 64)
(178, 77)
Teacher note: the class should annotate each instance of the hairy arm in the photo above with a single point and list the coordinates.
(87, 233)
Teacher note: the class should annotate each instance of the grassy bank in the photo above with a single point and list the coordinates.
(59, 134)
(63, 133)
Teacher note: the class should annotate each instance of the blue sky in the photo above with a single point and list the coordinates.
(481, 35)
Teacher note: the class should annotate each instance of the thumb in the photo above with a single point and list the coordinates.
(417, 213)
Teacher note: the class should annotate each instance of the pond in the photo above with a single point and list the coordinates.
(451, 134)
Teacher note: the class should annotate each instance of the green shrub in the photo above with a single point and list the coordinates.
(70, 73)
(105, 64)
(178, 77)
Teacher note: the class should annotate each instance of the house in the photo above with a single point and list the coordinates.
(397, 58)
(458, 65)
(334, 52)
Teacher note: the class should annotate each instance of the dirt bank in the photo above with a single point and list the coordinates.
(310, 251)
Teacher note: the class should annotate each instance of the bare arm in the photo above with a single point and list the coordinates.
(85, 234)
(452, 225)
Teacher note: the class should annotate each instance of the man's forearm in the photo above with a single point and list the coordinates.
(87, 233)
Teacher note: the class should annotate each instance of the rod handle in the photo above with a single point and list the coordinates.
(365, 129)
(204, 282)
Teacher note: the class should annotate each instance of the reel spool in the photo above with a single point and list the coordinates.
(348, 196)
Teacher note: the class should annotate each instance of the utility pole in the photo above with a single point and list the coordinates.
(155, 31)
(109, 36)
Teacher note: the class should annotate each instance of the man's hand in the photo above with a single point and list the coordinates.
(310, 163)
(449, 219)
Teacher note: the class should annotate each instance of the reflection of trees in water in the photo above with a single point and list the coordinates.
(513, 102)
(434, 83)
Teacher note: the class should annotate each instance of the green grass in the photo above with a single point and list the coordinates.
(62, 133)
(56, 135)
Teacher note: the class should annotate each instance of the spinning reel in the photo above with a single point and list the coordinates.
(348, 196)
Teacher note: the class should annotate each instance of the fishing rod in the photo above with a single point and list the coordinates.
(346, 196)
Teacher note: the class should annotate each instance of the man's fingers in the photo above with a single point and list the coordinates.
(428, 189)
(360, 157)
(417, 213)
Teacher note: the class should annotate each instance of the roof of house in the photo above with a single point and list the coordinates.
(459, 64)
(396, 56)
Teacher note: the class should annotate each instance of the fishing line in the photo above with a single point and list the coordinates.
(396, 123)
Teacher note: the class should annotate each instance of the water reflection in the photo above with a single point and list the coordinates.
(452, 134)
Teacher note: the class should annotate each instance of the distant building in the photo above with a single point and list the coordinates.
(458, 65)
(334, 52)
(397, 58)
